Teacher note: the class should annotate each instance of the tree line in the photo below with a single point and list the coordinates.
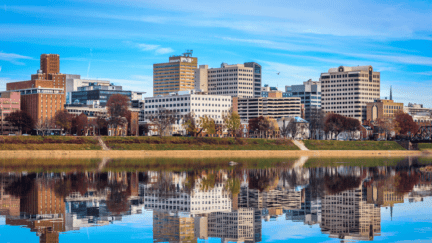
(118, 115)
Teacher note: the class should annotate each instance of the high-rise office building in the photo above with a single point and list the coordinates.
(257, 70)
(346, 90)
(175, 75)
(237, 80)
(309, 93)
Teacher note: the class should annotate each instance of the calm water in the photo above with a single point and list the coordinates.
(299, 200)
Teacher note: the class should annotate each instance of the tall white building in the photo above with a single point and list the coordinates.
(237, 80)
(346, 90)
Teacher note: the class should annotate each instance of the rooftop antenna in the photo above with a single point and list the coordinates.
(188, 53)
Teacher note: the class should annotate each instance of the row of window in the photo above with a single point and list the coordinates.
(229, 70)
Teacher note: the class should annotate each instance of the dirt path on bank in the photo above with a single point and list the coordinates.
(192, 154)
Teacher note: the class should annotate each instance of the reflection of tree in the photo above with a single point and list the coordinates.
(22, 186)
(233, 186)
(72, 183)
(190, 181)
(143, 177)
(208, 182)
(405, 181)
(338, 183)
(262, 180)
(117, 201)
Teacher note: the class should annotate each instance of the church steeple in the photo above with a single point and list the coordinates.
(391, 93)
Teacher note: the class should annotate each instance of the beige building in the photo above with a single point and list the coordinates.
(175, 75)
(347, 90)
(416, 109)
(242, 225)
(347, 215)
(270, 107)
(382, 109)
(237, 80)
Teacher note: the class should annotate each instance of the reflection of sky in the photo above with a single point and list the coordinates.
(412, 222)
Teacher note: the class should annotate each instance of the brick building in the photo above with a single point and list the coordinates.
(44, 94)
(9, 102)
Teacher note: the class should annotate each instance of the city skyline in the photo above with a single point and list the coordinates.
(121, 42)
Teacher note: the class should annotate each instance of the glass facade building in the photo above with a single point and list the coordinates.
(309, 93)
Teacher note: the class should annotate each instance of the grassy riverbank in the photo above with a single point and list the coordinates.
(48, 165)
(190, 143)
(425, 146)
(351, 145)
(48, 143)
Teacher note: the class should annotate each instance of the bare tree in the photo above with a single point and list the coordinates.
(162, 120)
(117, 107)
(49, 125)
(316, 122)
(284, 129)
(292, 128)
(40, 126)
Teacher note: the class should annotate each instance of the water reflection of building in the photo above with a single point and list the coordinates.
(242, 225)
(310, 209)
(42, 210)
(173, 227)
(383, 196)
(198, 200)
(9, 205)
(347, 215)
(47, 210)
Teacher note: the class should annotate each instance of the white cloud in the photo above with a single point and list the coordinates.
(13, 58)
(165, 50)
(146, 47)
(427, 73)
(157, 49)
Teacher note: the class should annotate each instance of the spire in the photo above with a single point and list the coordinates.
(391, 95)
(391, 213)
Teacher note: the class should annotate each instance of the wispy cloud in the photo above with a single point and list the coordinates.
(427, 73)
(14, 58)
(157, 49)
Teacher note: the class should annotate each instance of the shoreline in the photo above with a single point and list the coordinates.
(200, 154)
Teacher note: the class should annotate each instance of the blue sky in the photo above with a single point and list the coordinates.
(411, 222)
(120, 40)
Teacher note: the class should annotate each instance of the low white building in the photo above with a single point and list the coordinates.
(190, 101)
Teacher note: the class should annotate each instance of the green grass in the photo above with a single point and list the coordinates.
(48, 165)
(351, 145)
(423, 146)
(48, 143)
(190, 143)
(163, 164)
(360, 162)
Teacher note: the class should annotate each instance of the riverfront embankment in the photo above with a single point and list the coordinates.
(186, 147)
(191, 154)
